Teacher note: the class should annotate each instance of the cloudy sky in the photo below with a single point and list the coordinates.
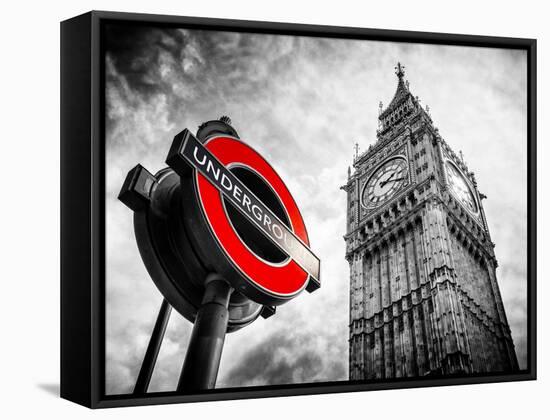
(301, 102)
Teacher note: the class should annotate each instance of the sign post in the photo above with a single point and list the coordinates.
(153, 348)
(204, 352)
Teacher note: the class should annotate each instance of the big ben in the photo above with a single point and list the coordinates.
(424, 297)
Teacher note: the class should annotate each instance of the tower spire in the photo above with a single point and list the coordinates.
(400, 70)
(402, 94)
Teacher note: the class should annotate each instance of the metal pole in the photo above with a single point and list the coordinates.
(150, 358)
(200, 368)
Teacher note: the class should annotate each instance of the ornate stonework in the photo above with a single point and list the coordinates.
(424, 298)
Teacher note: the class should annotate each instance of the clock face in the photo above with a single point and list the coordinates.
(460, 187)
(385, 182)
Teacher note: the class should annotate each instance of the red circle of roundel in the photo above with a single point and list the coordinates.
(284, 279)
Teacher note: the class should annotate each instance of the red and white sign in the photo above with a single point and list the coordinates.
(210, 163)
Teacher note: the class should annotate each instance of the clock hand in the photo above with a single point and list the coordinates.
(391, 180)
(382, 183)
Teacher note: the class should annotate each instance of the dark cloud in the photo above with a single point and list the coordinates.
(266, 365)
(283, 359)
(136, 53)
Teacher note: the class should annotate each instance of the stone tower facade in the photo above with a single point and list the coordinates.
(424, 298)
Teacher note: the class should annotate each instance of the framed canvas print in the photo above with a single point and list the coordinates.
(255, 209)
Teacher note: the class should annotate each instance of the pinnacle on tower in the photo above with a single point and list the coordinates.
(400, 70)
(401, 93)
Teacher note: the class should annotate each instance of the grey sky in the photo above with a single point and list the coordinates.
(302, 103)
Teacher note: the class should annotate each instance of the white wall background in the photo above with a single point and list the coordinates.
(29, 162)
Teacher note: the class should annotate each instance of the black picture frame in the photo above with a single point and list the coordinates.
(83, 206)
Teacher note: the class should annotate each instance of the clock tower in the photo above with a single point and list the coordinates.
(424, 298)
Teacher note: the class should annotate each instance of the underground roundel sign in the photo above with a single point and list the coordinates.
(242, 218)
